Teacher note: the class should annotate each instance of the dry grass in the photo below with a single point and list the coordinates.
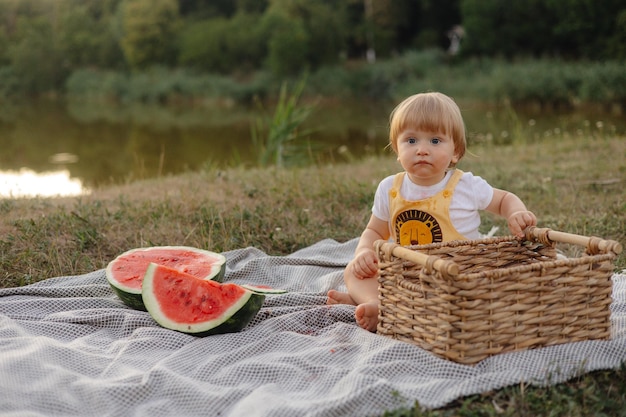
(572, 184)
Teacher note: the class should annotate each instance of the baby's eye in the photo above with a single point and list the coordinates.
(435, 141)
(411, 140)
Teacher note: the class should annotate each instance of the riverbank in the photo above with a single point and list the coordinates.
(566, 181)
(573, 184)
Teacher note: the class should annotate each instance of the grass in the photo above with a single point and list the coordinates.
(599, 393)
(274, 136)
(574, 183)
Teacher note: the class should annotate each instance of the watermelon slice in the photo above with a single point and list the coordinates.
(125, 273)
(179, 301)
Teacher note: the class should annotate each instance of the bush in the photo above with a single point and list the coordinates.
(536, 82)
(159, 85)
(382, 79)
(545, 82)
(420, 63)
(604, 82)
(333, 81)
(9, 83)
(560, 83)
(88, 84)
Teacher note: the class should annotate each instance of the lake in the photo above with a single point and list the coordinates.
(57, 148)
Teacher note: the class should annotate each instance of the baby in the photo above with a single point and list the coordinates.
(430, 201)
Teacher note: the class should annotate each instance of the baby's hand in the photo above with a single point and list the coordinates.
(365, 265)
(520, 220)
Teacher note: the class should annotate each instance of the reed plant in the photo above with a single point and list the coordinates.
(279, 139)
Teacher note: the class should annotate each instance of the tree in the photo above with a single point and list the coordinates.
(573, 29)
(287, 44)
(207, 9)
(586, 28)
(35, 57)
(436, 18)
(617, 42)
(512, 28)
(86, 37)
(220, 45)
(4, 50)
(149, 30)
(393, 26)
(304, 34)
(251, 6)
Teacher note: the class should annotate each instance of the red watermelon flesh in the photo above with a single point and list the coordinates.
(125, 273)
(179, 301)
(193, 300)
(131, 268)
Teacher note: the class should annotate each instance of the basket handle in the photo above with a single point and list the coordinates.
(447, 268)
(593, 244)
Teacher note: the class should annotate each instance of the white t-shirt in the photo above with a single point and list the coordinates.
(471, 194)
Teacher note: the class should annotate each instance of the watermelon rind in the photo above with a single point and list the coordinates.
(262, 289)
(132, 296)
(239, 320)
(129, 297)
(232, 319)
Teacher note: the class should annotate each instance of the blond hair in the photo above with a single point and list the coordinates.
(433, 112)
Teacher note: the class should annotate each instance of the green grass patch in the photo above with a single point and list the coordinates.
(599, 393)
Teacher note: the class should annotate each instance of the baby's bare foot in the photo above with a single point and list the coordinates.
(336, 297)
(366, 316)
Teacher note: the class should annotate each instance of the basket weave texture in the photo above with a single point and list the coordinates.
(494, 295)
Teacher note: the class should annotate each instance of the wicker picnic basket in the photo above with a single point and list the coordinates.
(467, 300)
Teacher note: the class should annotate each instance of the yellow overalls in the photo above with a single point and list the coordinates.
(423, 221)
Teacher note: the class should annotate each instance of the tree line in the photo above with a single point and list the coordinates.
(42, 42)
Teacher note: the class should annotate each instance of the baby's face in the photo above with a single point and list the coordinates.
(425, 155)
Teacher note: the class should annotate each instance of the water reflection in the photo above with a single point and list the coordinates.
(118, 144)
(95, 145)
(27, 183)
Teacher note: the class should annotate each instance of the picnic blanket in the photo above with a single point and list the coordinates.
(69, 347)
